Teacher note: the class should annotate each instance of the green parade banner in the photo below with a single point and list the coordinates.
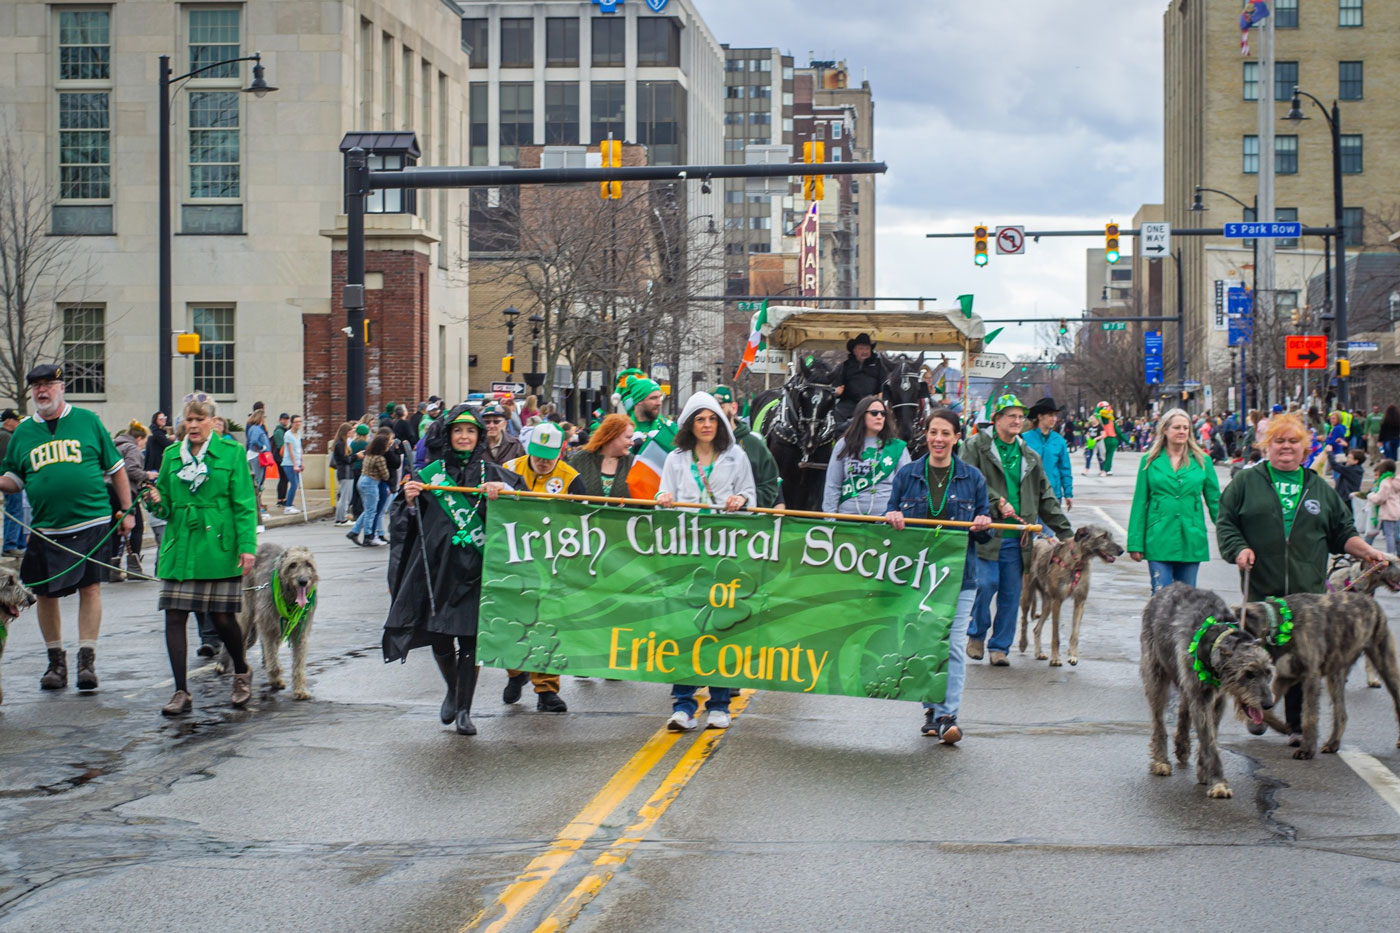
(765, 601)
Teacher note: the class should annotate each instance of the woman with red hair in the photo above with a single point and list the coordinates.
(603, 462)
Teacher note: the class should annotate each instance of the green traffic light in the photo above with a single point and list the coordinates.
(1111, 256)
(980, 259)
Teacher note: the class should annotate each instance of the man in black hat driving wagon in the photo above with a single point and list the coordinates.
(861, 374)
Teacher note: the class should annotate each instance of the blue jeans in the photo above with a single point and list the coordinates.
(381, 514)
(293, 481)
(1000, 578)
(683, 699)
(1167, 572)
(1387, 529)
(957, 657)
(369, 495)
(14, 508)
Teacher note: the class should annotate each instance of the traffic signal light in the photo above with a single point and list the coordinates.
(1343, 368)
(814, 186)
(508, 362)
(1294, 316)
(611, 150)
(1110, 243)
(979, 244)
(1064, 327)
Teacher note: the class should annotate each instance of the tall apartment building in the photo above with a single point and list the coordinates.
(1335, 49)
(572, 73)
(758, 116)
(256, 192)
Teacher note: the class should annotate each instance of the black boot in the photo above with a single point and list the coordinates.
(56, 677)
(448, 665)
(87, 674)
(511, 694)
(466, 688)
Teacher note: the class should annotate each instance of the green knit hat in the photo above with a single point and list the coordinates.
(637, 390)
(722, 394)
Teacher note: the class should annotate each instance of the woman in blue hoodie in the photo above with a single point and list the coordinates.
(939, 485)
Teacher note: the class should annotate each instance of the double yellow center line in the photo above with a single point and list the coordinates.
(529, 883)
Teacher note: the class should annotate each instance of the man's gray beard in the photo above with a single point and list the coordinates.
(49, 411)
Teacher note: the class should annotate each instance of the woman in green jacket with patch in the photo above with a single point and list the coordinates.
(205, 493)
(1166, 526)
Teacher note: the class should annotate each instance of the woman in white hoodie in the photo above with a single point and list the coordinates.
(708, 466)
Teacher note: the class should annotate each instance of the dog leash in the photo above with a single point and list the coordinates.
(1244, 602)
(80, 555)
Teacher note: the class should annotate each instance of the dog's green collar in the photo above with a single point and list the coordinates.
(291, 617)
(1202, 667)
(1281, 631)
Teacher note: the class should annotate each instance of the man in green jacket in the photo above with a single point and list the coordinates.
(765, 468)
(1016, 486)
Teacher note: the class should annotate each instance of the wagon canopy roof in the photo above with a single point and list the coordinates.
(796, 328)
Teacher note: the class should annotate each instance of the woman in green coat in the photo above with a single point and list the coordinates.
(1166, 525)
(205, 493)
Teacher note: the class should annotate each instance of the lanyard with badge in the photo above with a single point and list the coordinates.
(702, 480)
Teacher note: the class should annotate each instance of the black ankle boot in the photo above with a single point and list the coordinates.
(447, 664)
(466, 688)
(56, 677)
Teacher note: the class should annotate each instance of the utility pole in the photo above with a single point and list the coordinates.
(1264, 278)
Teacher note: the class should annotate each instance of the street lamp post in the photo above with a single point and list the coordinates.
(258, 87)
(534, 378)
(1334, 123)
(511, 314)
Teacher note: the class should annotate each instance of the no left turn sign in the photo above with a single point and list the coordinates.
(1011, 241)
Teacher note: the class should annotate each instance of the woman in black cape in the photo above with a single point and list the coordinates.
(420, 525)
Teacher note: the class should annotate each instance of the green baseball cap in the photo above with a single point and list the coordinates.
(722, 394)
(546, 441)
(1005, 402)
(468, 417)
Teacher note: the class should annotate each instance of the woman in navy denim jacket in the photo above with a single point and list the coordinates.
(960, 492)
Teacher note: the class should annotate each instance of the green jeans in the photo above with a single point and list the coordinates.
(1110, 445)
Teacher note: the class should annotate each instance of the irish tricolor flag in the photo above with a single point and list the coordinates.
(756, 341)
(644, 477)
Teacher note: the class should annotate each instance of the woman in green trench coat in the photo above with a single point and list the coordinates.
(205, 493)
(1167, 526)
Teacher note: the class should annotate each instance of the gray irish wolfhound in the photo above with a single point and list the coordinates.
(1349, 574)
(1232, 664)
(1329, 631)
(14, 599)
(262, 619)
(1058, 572)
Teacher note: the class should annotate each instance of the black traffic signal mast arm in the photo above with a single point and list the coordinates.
(360, 181)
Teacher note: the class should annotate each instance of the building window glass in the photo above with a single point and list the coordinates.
(476, 34)
(214, 38)
(609, 42)
(386, 74)
(84, 146)
(478, 127)
(1285, 155)
(1251, 80)
(213, 367)
(517, 119)
(214, 144)
(661, 121)
(658, 42)
(1286, 14)
(1351, 153)
(561, 113)
(1350, 85)
(1349, 12)
(1289, 215)
(1285, 80)
(1251, 155)
(517, 43)
(836, 129)
(84, 349)
(1354, 226)
(385, 200)
(608, 105)
(84, 45)
(366, 89)
(561, 42)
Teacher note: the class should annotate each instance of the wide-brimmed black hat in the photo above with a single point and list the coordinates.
(43, 373)
(1045, 406)
(859, 339)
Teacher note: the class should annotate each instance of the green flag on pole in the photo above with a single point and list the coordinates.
(966, 302)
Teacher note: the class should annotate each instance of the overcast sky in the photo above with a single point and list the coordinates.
(1046, 113)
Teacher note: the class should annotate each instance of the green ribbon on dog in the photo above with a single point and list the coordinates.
(1201, 668)
(292, 617)
(1282, 631)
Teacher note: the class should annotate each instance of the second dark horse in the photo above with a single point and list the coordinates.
(798, 422)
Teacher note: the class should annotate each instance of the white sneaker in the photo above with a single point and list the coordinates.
(377, 542)
(680, 722)
(262, 528)
(717, 719)
(291, 510)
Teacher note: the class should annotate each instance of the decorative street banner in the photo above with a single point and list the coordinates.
(765, 601)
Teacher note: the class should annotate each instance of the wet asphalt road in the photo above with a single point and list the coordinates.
(357, 810)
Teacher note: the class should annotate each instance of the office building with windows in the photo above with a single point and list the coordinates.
(1334, 49)
(256, 194)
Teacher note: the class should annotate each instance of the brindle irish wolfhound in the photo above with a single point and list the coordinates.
(1312, 636)
(14, 599)
(1227, 663)
(290, 573)
(1348, 574)
(1056, 573)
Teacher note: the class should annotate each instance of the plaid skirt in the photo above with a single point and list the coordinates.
(202, 595)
